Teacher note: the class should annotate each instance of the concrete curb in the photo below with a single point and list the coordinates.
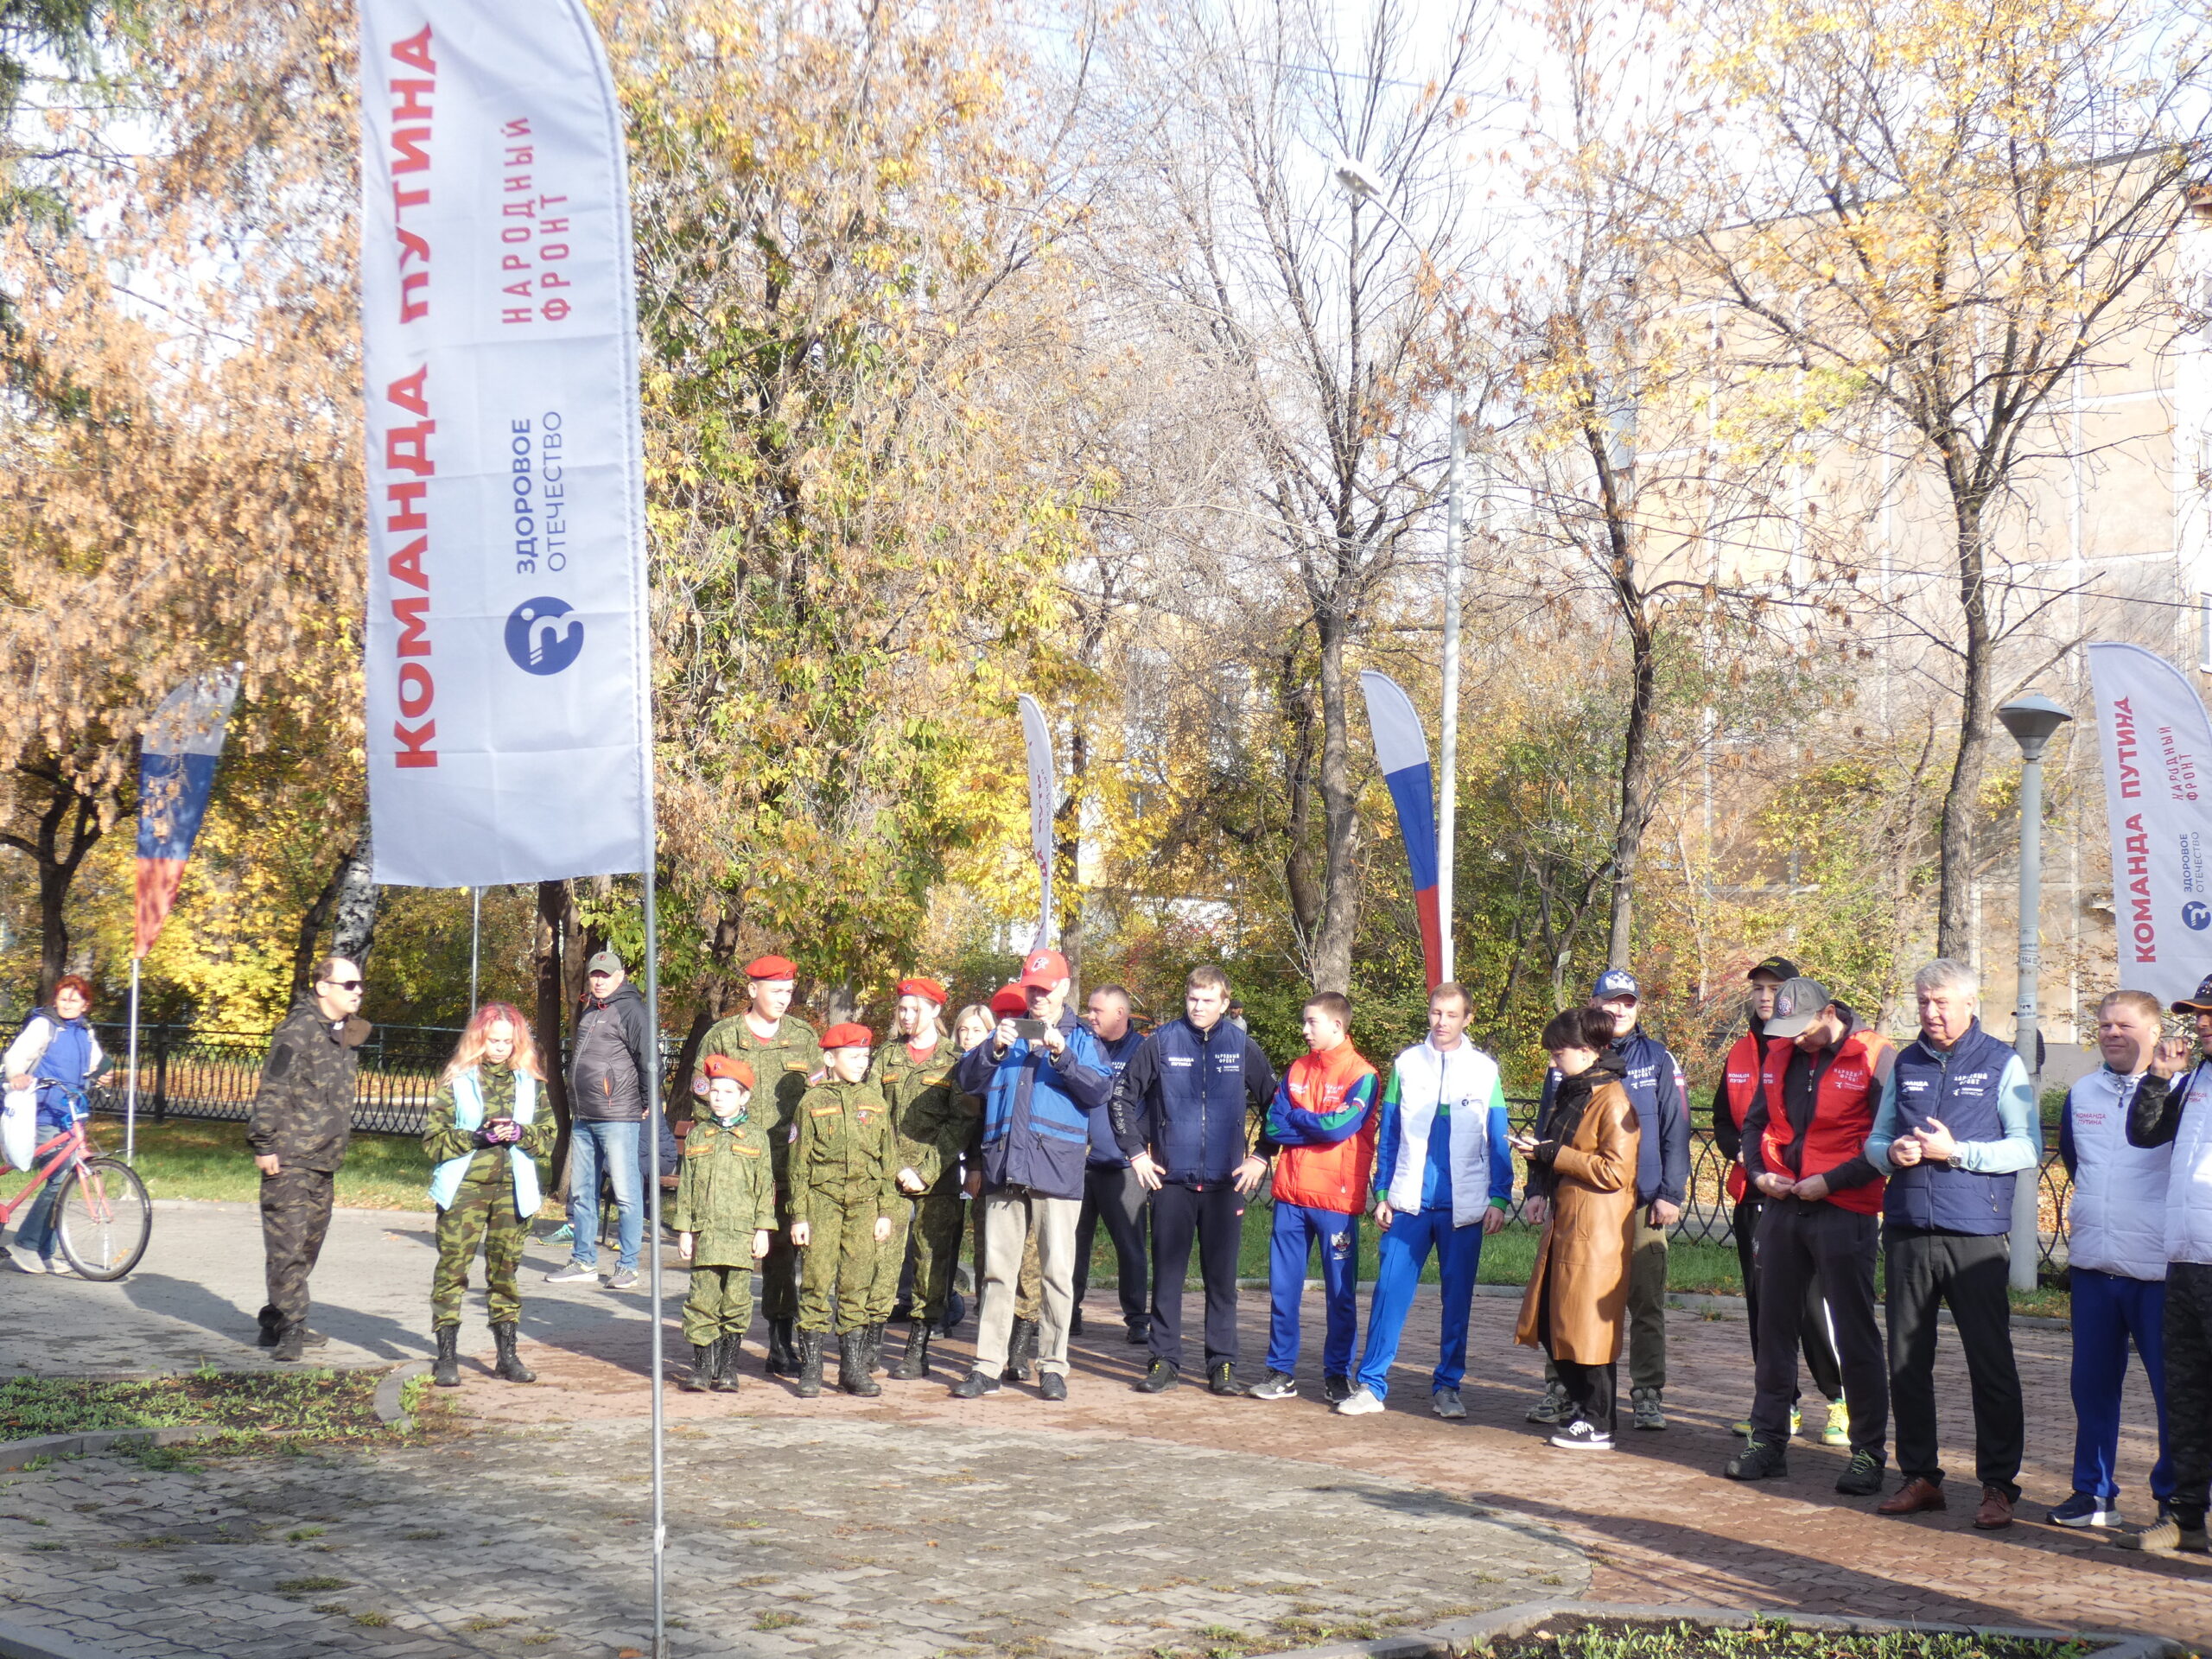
(1461, 1637)
(15, 1455)
(29, 1641)
(388, 1409)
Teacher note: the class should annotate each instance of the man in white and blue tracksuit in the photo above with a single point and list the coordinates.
(1443, 1178)
(1653, 1078)
(2116, 1258)
(1957, 1128)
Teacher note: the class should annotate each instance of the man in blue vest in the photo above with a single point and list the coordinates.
(1653, 1078)
(1957, 1126)
(1182, 1114)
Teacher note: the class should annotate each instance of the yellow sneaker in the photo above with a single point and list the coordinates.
(1838, 1431)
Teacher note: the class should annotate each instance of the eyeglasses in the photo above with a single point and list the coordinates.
(345, 984)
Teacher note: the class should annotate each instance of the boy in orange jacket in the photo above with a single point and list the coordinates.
(1320, 1130)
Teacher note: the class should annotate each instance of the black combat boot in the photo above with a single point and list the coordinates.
(1020, 1351)
(852, 1365)
(726, 1365)
(292, 1343)
(272, 1326)
(445, 1372)
(874, 1348)
(702, 1379)
(809, 1363)
(916, 1362)
(783, 1348)
(509, 1364)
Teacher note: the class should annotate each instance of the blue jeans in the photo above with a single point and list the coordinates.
(2110, 1308)
(1297, 1230)
(1404, 1247)
(611, 1147)
(38, 1232)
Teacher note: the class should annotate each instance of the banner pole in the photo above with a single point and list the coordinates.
(130, 1089)
(652, 1128)
(475, 943)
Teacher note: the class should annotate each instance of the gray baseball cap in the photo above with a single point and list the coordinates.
(604, 962)
(1796, 1005)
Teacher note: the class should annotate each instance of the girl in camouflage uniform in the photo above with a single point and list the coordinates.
(725, 1211)
(488, 1124)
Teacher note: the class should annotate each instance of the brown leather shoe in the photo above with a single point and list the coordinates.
(1996, 1510)
(1916, 1494)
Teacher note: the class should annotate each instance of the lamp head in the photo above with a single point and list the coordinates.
(2032, 720)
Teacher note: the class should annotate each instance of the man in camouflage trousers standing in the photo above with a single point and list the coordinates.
(303, 1118)
(932, 1124)
(784, 1055)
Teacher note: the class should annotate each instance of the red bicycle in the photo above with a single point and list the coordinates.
(103, 1216)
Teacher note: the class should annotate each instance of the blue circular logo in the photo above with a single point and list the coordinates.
(2196, 914)
(537, 640)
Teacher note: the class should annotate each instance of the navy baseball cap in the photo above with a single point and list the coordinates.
(2201, 1003)
(1615, 982)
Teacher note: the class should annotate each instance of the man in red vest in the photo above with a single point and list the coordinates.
(1804, 1151)
(1732, 1104)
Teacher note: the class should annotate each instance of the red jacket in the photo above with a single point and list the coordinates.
(1844, 1103)
(1739, 1081)
(1323, 1119)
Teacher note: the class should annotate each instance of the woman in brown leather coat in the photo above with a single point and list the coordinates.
(1582, 1172)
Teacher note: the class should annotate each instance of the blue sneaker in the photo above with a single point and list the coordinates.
(564, 1233)
(2083, 1510)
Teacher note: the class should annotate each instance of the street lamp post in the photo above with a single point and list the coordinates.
(2032, 720)
(1360, 182)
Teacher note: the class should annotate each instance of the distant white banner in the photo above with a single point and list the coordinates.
(509, 712)
(2157, 744)
(1044, 791)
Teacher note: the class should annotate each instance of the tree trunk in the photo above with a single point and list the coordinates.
(1305, 894)
(353, 934)
(555, 907)
(1955, 926)
(65, 827)
(1635, 784)
(1332, 952)
(311, 925)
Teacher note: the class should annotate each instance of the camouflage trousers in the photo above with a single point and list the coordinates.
(295, 1217)
(1028, 1286)
(482, 1215)
(779, 1268)
(933, 1226)
(840, 1259)
(720, 1305)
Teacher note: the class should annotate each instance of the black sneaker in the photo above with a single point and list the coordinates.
(1579, 1436)
(1139, 1333)
(1223, 1380)
(1863, 1477)
(1759, 1460)
(1275, 1385)
(1336, 1389)
(1159, 1377)
(1052, 1386)
(1075, 1322)
(976, 1385)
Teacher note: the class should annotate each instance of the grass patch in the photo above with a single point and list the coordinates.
(1570, 1638)
(318, 1407)
(203, 1158)
(773, 1620)
(311, 1585)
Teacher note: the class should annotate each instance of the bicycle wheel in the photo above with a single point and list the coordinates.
(105, 1217)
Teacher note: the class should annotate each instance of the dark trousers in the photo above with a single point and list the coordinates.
(295, 1217)
(2189, 1385)
(1966, 1273)
(1215, 1215)
(1592, 1391)
(1818, 1341)
(1815, 1263)
(1112, 1193)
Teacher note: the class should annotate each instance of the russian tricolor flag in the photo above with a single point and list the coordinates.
(1401, 750)
(176, 774)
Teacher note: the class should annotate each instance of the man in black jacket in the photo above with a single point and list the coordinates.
(611, 1063)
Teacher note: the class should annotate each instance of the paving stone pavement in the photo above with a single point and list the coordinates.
(787, 1536)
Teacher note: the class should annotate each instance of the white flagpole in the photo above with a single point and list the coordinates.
(130, 1088)
(475, 943)
(651, 1127)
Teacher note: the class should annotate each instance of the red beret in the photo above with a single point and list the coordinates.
(771, 968)
(726, 1065)
(1010, 1003)
(847, 1035)
(928, 988)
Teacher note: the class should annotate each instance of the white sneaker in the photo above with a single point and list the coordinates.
(1361, 1402)
(575, 1273)
(58, 1266)
(1579, 1436)
(26, 1264)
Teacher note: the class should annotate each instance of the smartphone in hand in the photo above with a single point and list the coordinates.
(1030, 1030)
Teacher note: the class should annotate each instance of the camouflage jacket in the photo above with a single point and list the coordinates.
(441, 1140)
(303, 1111)
(725, 1192)
(781, 1070)
(934, 1122)
(843, 1153)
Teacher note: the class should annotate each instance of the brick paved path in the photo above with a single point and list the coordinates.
(788, 1535)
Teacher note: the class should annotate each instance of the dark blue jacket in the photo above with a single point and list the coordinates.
(1037, 1109)
(1653, 1078)
(1979, 1091)
(1187, 1095)
(66, 1065)
(1105, 1151)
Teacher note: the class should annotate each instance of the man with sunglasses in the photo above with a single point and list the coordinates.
(610, 1073)
(303, 1118)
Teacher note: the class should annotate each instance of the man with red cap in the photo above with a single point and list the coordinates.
(914, 1073)
(784, 1055)
(1040, 1077)
(1009, 1001)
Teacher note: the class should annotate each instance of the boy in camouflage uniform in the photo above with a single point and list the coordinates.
(785, 1059)
(725, 1214)
(844, 1168)
(915, 1076)
(488, 1123)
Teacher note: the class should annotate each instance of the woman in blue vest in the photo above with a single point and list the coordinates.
(57, 1054)
(488, 1126)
